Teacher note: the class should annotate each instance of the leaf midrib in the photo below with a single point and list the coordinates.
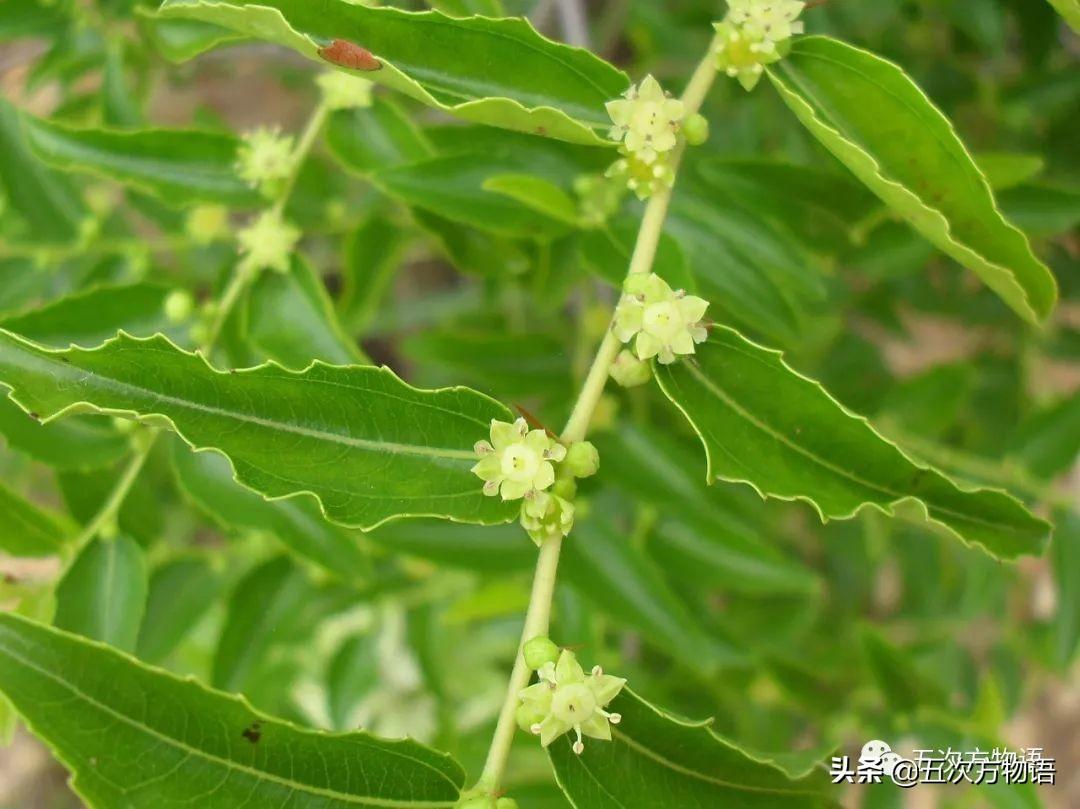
(271, 424)
(233, 765)
(710, 385)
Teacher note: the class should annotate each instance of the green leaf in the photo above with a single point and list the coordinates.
(455, 187)
(1048, 442)
(706, 534)
(510, 365)
(471, 251)
(46, 200)
(179, 40)
(1070, 11)
(542, 196)
(102, 595)
(764, 424)
(79, 442)
(498, 548)
(754, 273)
(138, 737)
(180, 166)
(623, 583)
(90, 317)
(1008, 169)
(373, 254)
(674, 762)
(271, 611)
(207, 478)
(365, 444)
(821, 207)
(291, 320)
(498, 72)
(353, 673)
(375, 138)
(877, 122)
(27, 530)
(180, 593)
(1042, 210)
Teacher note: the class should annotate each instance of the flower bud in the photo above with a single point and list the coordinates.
(564, 488)
(205, 223)
(178, 306)
(629, 371)
(528, 715)
(582, 459)
(696, 129)
(540, 651)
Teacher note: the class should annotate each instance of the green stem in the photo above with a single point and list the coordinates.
(538, 617)
(110, 509)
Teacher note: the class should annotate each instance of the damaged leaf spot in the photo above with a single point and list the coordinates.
(348, 54)
(253, 732)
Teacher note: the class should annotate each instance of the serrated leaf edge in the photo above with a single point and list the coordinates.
(243, 701)
(466, 109)
(870, 164)
(888, 509)
(157, 419)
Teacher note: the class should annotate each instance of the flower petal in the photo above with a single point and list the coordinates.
(568, 670)
(605, 687)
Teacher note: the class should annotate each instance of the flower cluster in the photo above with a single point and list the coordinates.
(646, 126)
(755, 33)
(267, 243)
(265, 159)
(565, 698)
(520, 464)
(662, 322)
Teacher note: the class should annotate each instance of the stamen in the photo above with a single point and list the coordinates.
(579, 746)
(535, 729)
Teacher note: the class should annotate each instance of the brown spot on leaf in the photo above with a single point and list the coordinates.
(253, 732)
(34, 416)
(343, 53)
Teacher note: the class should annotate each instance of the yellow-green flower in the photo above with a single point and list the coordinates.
(754, 34)
(546, 516)
(267, 243)
(566, 699)
(265, 159)
(517, 462)
(646, 121)
(662, 322)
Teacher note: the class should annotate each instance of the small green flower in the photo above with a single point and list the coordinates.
(582, 459)
(755, 33)
(265, 159)
(567, 699)
(517, 462)
(539, 651)
(205, 223)
(773, 21)
(646, 121)
(342, 91)
(663, 323)
(267, 243)
(644, 179)
(178, 306)
(546, 516)
(629, 371)
(598, 198)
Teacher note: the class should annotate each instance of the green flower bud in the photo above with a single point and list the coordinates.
(205, 223)
(696, 129)
(539, 651)
(564, 488)
(528, 715)
(582, 459)
(178, 306)
(629, 371)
